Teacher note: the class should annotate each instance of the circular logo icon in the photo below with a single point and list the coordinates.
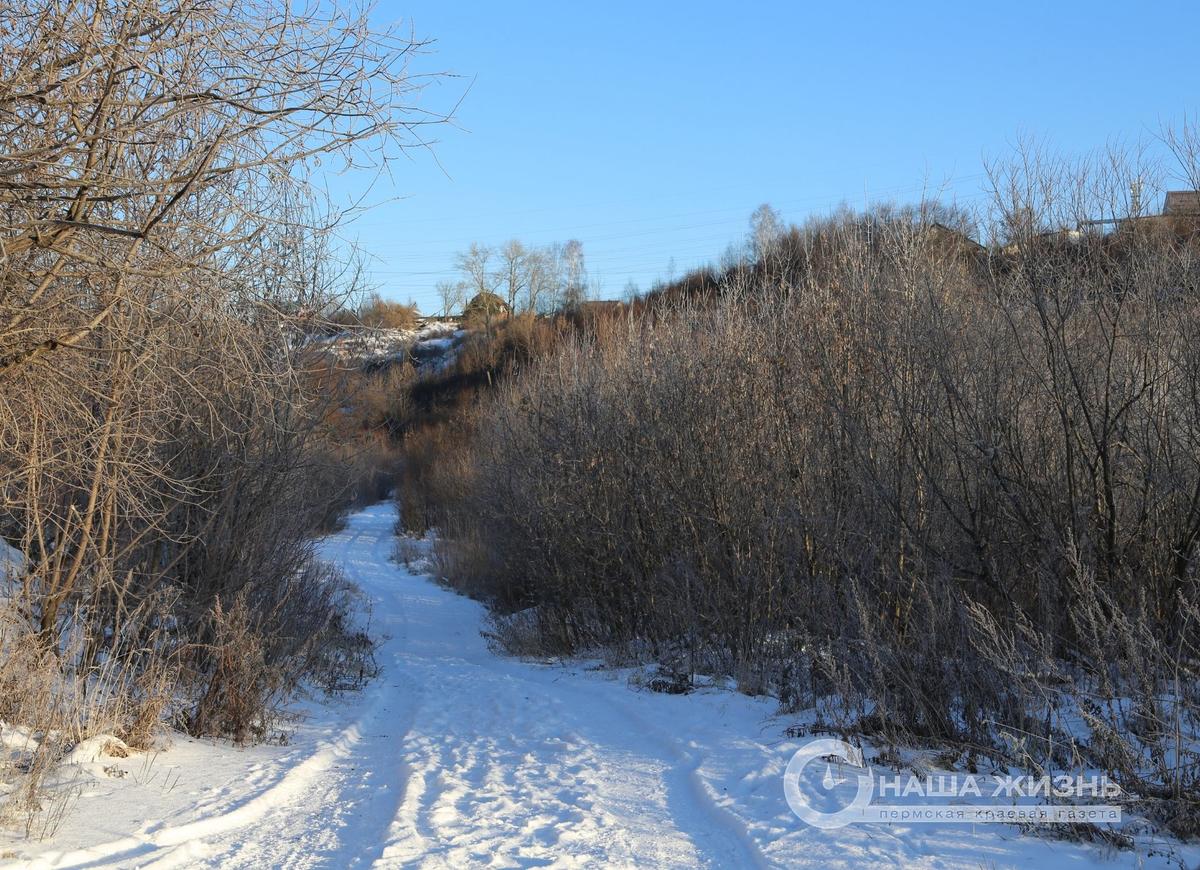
(817, 784)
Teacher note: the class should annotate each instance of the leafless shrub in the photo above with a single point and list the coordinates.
(380, 313)
(409, 552)
(50, 700)
(517, 634)
(257, 651)
(941, 492)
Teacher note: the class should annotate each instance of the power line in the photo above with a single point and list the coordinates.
(707, 191)
(826, 200)
(618, 262)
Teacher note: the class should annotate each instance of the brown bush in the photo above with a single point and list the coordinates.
(379, 313)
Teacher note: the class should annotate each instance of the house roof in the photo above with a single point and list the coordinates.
(941, 230)
(1182, 202)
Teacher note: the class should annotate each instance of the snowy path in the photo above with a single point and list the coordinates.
(459, 758)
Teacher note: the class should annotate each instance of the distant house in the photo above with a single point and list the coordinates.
(950, 239)
(1180, 215)
(1065, 234)
(486, 307)
(1182, 203)
(1046, 240)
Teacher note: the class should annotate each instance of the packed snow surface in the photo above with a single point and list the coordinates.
(457, 757)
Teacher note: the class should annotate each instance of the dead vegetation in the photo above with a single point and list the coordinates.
(165, 456)
(939, 492)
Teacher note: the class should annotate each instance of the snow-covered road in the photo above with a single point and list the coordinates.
(458, 758)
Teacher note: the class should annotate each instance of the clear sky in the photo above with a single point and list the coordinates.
(650, 131)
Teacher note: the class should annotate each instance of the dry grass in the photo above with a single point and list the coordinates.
(52, 700)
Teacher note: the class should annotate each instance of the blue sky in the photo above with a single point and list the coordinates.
(650, 131)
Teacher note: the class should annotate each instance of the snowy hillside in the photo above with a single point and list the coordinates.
(432, 344)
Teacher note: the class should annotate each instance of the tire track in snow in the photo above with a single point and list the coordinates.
(138, 847)
(191, 844)
(457, 757)
(721, 839)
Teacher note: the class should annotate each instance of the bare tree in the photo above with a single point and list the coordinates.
(766, 230)
(160, 252)
(542, 279)
(453, 295)
(532, 279)
(575, 287)
(475, 266)
(514, 272)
